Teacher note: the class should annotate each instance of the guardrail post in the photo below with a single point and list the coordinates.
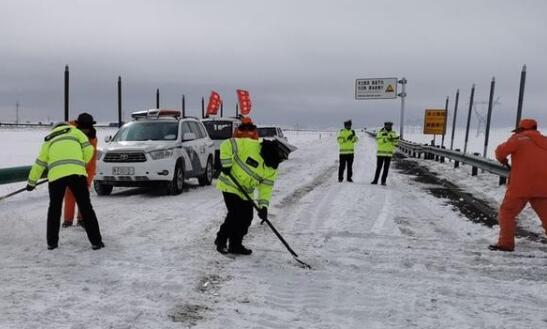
(475, 170)
(456, 162)
(442, 157)
(503, 180)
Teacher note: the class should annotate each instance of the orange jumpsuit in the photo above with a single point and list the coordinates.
(91, 169)
(527, 181)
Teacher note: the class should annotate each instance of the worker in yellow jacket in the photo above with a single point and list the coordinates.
(386, 142)
(346, 141)
(253, 163)
(65, 153)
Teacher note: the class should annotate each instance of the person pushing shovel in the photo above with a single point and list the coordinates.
(247, 164)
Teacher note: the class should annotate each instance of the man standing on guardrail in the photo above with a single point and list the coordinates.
(386, 142)
(346, 140)
(64, 153)
(527, 181)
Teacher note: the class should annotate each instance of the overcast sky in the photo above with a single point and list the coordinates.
(298, 59)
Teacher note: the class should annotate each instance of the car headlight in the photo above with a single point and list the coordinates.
(99, 155)
(161, 154)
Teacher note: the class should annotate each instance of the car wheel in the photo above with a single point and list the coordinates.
(101, 188)
(175, 186)
(207, 176)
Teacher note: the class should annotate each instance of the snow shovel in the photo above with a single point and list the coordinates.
(19, 191)
(295, 256)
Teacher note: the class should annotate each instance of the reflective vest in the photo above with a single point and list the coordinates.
(387, 142)
(347, 140)
(65, 151)
(248, 167)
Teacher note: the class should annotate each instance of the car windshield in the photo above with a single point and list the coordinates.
(148, 131)
(219, 129)
(266, 132)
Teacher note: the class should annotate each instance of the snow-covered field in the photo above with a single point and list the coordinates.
(382, 257)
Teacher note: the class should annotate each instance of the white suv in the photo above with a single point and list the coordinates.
(157, 147)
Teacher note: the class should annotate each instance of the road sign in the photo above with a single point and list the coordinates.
(379, 88)
(434, 121)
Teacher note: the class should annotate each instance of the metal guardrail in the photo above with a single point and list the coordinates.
(14, 174)
(476, 161)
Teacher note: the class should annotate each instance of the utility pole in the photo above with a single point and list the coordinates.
(66, 92)
(119, 101)
(403, 83)
(521, 95)
(469, 118)
(445, 121)
(17, 112)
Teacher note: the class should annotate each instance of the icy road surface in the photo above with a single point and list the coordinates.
(383, 257)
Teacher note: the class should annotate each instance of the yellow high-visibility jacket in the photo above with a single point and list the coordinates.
(387, 142)
(347, 140)
(248, 167)
(65, 151)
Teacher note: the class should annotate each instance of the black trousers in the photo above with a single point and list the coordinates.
(238, 220)
(345, 160)
(382, 161)
(78, 186)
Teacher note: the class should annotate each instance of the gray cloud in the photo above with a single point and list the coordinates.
(299, 59)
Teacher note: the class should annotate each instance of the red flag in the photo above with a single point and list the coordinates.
(244, 101)
(214, 103)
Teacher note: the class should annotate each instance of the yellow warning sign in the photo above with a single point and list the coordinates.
(389, 89)
(434, 122)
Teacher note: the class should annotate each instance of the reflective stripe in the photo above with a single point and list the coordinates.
(41, 163)
(32, 182)
(226, 161)
(267, 182)
(65, 162)
(263, 202)
(247, 170)
(229, 182)
(86, 144)
(234, 146)
(64, 138)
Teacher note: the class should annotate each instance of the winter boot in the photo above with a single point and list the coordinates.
(240, 250)
(221, 245)
(66, 224)
(52, 246)
(496, 247)
(97, 246)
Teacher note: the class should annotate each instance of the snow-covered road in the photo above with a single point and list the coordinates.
(382, 257)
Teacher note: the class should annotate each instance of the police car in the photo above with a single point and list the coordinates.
(156, 147)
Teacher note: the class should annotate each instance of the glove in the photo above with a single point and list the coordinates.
(226, 170)
(30, 187)
(352, 133)
(263, 214)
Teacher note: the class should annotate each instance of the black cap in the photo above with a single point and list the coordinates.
(85, 120)
(347, 123)
(388, 123)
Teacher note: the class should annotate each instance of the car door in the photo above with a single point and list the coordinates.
(200, 146)
(193, 165)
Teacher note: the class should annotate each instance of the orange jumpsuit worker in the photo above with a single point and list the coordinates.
(85, 124)
(527, 181)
